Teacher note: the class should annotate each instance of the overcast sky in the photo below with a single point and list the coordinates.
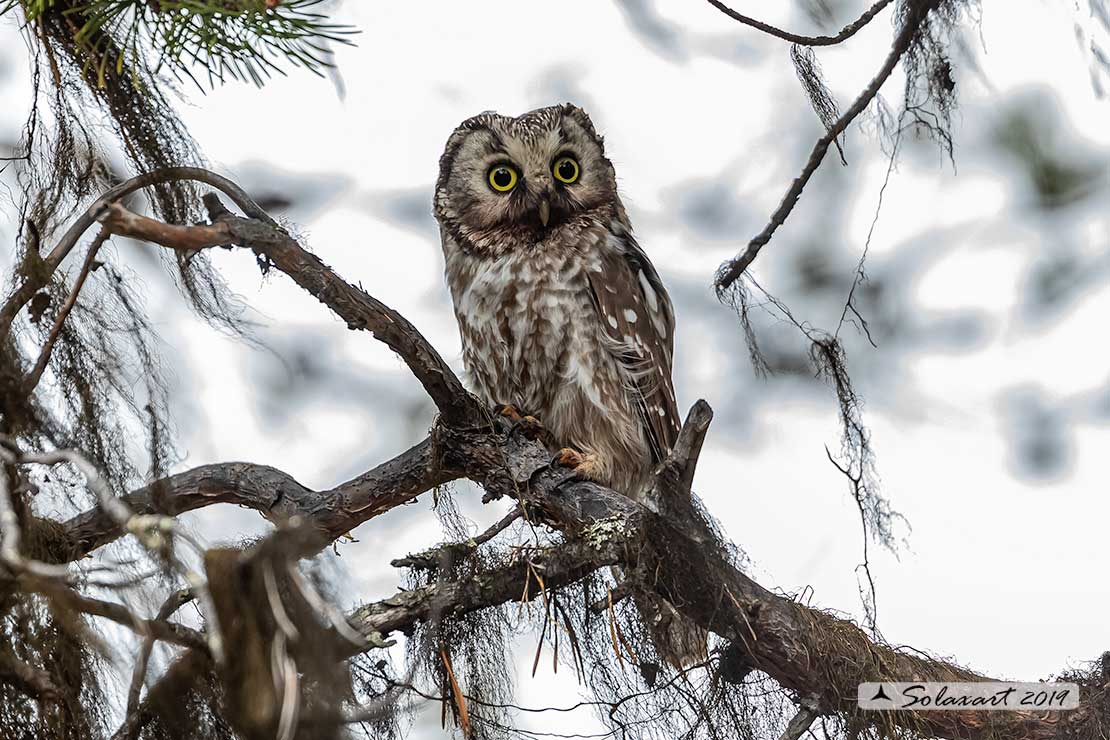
(990, 410)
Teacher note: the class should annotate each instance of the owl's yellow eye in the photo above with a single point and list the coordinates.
(502, 178)
(565, 170)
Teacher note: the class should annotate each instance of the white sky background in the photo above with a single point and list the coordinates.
(706, 125)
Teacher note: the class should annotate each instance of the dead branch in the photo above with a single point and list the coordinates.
(171, 632)
(138, 676)
(561, 565)
(733, 269)
(118, 220)
(438, 557)
(63, 313)
(845, 33)
(266, 238)
(273, 493)
(800, 722)
(31, 681)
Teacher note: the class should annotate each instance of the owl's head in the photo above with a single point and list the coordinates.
(507, 183)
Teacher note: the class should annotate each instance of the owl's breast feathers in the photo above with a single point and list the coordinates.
(577, 330)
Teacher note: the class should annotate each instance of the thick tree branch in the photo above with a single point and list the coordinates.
(808, 651)
(266, 238)
(273, 493)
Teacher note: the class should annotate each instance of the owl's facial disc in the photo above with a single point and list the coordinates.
(508, 183)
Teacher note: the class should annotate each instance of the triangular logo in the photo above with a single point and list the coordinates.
(880, 694)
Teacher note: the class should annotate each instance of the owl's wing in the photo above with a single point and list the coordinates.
(636, 314)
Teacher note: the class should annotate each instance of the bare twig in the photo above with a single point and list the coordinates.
(138, 676)
(869, 599)
(12, 538)
(730, 271)
(35, 375)
(177, 634)
(845, 33)
(435, 557)
(860, 275)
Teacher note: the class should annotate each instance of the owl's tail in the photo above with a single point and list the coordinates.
(678, 641)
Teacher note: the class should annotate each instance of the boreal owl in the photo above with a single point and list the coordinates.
(561, 313)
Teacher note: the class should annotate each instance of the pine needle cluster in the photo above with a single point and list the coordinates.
(206, 41)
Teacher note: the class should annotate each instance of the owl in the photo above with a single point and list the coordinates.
(561, 313)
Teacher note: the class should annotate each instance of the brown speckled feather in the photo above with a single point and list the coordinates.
(636, 315)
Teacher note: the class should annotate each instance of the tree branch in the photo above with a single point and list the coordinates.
(807, 651)
(33, 378)
(807, 712)
(138, 676)
(561, 565)
(265, 237)
(439, 557)
(845, 33)
(32, 681)
(49, 264)
(273, 493)
(171, 632)
(733, 269)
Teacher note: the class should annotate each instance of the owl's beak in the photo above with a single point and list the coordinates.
(545, 211)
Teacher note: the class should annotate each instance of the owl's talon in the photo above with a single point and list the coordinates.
(508, 411)
(532, 428)
(578, 467)
(568, 458)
